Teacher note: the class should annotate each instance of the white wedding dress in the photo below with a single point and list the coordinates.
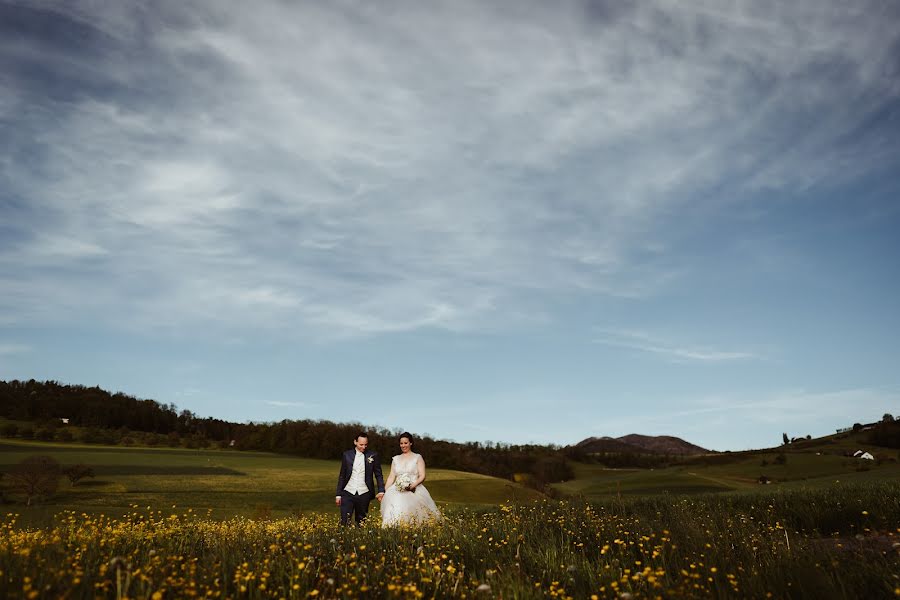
(405, 507)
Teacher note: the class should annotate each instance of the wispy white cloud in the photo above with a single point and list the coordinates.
(281, 404)
(7, 348)
(637, 340)
(348, 170)
(798, 406)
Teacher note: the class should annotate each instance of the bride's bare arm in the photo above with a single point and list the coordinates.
(420, 466)
(390, 479)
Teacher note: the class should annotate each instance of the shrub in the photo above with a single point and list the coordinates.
(76, 473)
(63, 435)
(93, 435)
(43, 434)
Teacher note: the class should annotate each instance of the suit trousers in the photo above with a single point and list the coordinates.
(356, 505)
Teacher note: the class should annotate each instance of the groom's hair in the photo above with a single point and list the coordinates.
(361, 434)
(408, 436)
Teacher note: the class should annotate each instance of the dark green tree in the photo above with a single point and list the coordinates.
(76, 473)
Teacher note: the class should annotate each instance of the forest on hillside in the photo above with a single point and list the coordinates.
(98, 416)
(101, 417)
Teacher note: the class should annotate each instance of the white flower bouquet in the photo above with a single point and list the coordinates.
(403, 482)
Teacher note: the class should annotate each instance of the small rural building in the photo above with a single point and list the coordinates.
(763, 480)
(863, 455)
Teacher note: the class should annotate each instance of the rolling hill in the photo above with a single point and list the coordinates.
(816, 463)
(662, 444)
(640, 444)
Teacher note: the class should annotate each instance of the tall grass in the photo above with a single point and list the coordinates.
(798, 544)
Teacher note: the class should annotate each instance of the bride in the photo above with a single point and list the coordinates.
(406, 501)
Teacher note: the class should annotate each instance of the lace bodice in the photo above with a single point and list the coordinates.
(401, 506)
(406, 464)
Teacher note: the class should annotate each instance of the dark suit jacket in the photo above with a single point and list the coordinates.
(373, 470)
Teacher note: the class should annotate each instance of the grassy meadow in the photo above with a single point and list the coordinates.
(741, 474)
(173, 523)
(220, 483)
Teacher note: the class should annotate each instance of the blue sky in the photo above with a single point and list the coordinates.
(509, 221)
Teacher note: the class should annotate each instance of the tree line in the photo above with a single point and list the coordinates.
(886, 432)
(117, 418)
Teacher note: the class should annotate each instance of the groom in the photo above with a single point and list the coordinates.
(355, 488)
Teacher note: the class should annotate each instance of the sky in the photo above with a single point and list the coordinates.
(517, 221)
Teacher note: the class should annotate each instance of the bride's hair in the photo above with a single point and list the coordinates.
(408, 436)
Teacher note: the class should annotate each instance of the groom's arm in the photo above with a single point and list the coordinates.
(379, 478)
(342, 479)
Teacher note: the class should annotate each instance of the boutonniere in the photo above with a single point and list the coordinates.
(371, 460)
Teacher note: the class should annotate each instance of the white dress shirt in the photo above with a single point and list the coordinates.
(357, 483)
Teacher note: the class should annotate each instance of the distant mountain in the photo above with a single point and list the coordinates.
(607, 444)
(662, 444)
(636, 443)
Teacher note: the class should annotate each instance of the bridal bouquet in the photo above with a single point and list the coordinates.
(403, 482)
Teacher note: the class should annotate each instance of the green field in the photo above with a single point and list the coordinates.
(224, 482)
(808, 464)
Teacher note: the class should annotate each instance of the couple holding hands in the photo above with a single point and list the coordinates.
(405, 502)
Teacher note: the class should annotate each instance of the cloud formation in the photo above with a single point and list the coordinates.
(636, 340)
(7, 348)
(281, 404)
(331, 169)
